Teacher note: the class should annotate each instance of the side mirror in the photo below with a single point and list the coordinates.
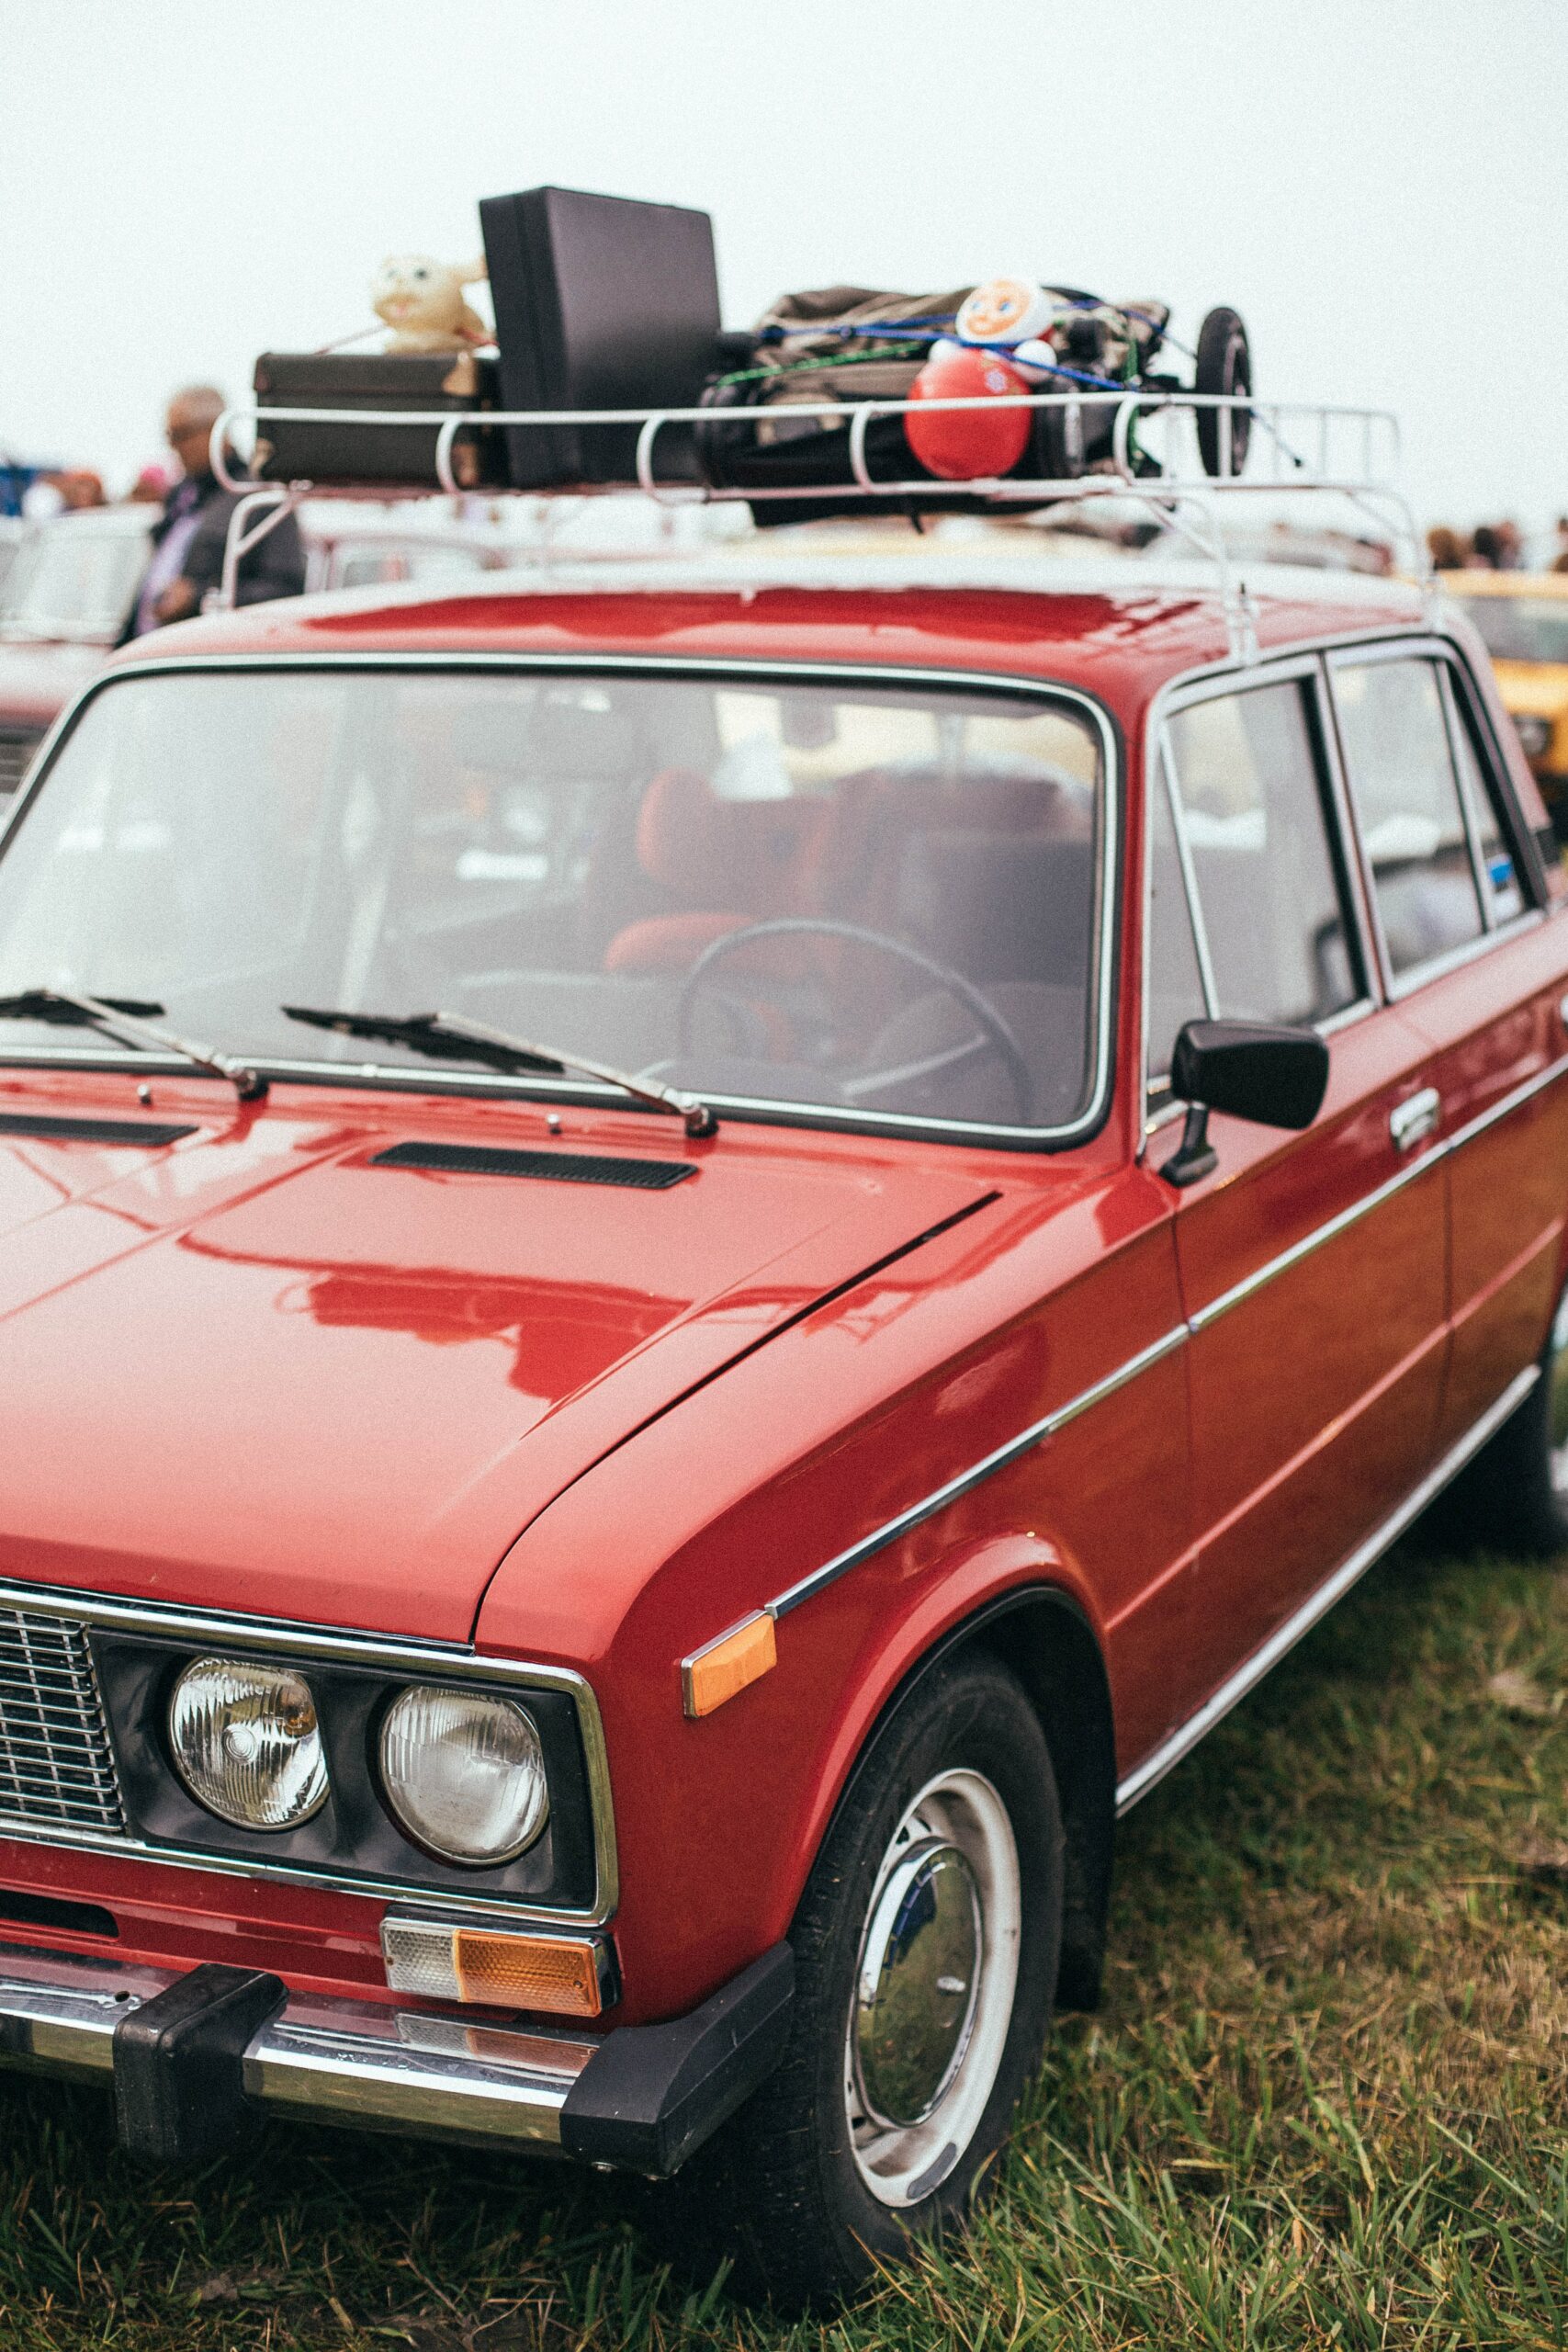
(1255, 1069)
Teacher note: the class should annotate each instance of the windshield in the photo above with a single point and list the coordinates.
(871, 900)
(67, 581)
(1521, 628)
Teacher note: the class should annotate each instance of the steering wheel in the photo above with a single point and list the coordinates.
(994, 1037)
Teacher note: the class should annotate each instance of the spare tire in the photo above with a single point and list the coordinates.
(1225, 367)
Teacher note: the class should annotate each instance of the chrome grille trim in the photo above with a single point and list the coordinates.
(82, 1613)
(56, 1765)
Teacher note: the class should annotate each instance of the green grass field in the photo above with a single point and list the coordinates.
(1324, 2103)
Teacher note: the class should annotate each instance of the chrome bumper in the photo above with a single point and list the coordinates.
(185, 2076)
(391, 2069)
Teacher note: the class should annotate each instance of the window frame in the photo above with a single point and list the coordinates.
(1460, 706)
(1307, 670)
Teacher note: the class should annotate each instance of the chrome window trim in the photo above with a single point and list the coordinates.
(839, 1117)
(443, 1661)
(1154, 1768)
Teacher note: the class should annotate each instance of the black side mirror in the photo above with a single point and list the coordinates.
(1257, 1069)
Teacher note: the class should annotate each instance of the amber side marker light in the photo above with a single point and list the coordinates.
(565, 1976)
(717, 1672)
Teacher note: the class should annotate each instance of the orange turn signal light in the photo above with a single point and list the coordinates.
(549, 1973)
(565, 1976)
(714, 1674)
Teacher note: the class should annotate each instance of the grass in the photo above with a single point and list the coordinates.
(1324, 2104)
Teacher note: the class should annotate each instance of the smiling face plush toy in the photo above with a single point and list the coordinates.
(422, 301)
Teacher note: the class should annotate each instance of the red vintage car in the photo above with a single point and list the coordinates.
(822, 1209)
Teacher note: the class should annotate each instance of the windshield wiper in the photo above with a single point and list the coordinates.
(123, 1017)
(450, 1036)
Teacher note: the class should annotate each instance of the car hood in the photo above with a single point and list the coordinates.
(257, 1371)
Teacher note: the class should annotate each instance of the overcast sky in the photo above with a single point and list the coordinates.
(1381, 187)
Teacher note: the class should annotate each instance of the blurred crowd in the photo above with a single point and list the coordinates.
(1494, 547)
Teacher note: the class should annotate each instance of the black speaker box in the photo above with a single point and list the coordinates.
(600, 302)
(377, 456)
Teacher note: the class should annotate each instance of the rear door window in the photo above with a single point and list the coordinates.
(1399, 759)
(1252, 795)
(1502, 889)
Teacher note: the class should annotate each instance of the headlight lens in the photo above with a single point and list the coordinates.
(464, 1773)
(1535, 735)
(246, 1743)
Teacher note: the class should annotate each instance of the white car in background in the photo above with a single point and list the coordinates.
(71, 581)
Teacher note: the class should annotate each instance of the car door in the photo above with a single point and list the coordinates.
(1312, 1265)
(1475, 966)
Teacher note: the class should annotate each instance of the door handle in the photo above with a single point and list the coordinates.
(1412, 1121)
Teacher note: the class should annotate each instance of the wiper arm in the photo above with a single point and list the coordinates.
(451, 1036)
(123, 1017)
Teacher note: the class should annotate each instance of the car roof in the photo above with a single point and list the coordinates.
(1121, 625)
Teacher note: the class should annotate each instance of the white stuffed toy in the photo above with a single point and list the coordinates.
(422, 301)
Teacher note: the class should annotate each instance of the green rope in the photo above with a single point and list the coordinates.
(811, 366)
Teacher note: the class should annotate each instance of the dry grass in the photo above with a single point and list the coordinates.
(1324, 2103)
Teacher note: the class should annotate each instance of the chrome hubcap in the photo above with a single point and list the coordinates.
(1557, 1400)
(934, 1988)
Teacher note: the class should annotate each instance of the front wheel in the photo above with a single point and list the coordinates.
(926, 1951)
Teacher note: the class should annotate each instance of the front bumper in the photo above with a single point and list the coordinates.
(191, 2067)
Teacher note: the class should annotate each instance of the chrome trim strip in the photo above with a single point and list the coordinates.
(888, 674)
(1536, 1084)
(1262, 1275)
(1369, 1201)
(443, 1660)
(918, 1513)
(819, 1578)
(378, 2066)
(1154, 1768)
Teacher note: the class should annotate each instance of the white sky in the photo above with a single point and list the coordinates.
(1381, 187)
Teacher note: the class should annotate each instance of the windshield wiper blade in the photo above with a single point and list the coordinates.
(123, 1017)
(451, 1036)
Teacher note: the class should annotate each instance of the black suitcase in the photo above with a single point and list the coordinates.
(600, 302)
(377, 456)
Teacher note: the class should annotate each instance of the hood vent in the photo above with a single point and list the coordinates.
(142, 1131)
(559, 1167)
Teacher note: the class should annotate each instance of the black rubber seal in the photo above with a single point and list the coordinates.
(652, 2093)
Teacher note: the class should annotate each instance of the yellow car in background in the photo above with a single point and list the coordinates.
(1523, 617)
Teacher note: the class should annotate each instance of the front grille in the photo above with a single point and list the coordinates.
(17, 745)
(56, 1768)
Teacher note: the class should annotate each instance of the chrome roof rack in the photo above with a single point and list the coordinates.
(1290, 447)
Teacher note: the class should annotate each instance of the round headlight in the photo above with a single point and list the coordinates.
(246, 1743)
(464, 1773)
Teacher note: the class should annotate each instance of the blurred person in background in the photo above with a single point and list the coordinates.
(149, 488)
(189, 541)
(79, 488)
(1558, 559)
(1446, 549)
(1485, 553)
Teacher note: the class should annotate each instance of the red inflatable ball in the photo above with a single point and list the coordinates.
(967, 445)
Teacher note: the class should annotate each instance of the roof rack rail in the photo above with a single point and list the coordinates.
(1290, 447)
